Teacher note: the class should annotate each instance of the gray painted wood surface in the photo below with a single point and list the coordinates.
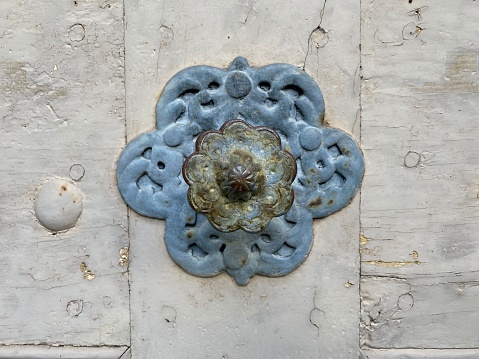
(420, 354)
(62, 103)
(78, 78)
(419, 208)
(66, 352)
(308, 314)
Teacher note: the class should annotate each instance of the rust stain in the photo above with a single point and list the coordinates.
(63, 188)
(315, 202)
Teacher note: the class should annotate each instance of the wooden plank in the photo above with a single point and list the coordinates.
(61, 104)
(421, 354)
(313, 312)
(419, 204)
(48, 352)
(395, 310)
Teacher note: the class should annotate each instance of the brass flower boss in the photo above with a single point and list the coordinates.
(259, 167)
(240, 177)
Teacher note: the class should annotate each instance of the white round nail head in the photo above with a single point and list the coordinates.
(58, 205)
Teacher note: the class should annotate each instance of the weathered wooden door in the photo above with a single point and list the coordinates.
(393, 275)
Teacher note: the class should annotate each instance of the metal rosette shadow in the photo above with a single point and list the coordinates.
(280, 96)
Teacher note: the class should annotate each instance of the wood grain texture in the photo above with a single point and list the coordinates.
(420, 354)
(419, 209)
(62, 103)
(49, 352)
(420, 312)
(311, 313)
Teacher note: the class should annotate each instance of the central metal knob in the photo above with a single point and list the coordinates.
(241, 179)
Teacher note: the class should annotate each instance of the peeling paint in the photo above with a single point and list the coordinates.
(124, 256)
(391, 264)
(348, 284)
(87, 274)
(363, 240)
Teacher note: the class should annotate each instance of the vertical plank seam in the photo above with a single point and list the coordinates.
(128, 218)
(360, 144)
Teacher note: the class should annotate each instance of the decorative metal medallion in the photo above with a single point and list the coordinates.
(239, 167)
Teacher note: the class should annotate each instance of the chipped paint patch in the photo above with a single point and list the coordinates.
(87, 274)
(393, 264)
(363, 240)
(124, 255)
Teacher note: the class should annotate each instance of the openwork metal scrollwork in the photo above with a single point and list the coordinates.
(239, 167)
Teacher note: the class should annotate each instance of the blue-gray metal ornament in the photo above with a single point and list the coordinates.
(239, 167)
